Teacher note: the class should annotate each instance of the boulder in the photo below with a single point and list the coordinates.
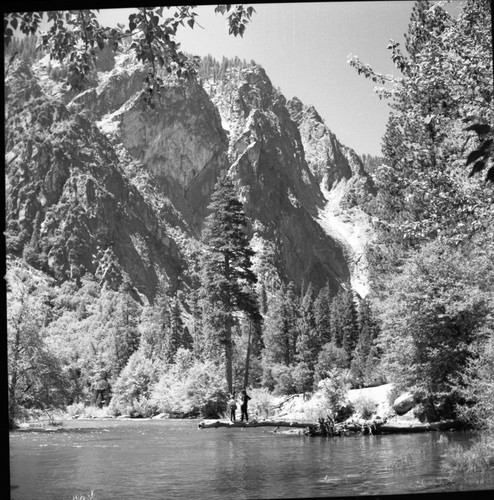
(404, 403)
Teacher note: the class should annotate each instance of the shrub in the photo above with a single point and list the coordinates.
(335, 391)
(478, 386)
(261, 401)
(198, 390)
(364, 406)
(330, 357)
(133, 387)
(393, 394)
(283, 379)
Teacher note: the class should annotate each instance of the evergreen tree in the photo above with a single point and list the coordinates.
(343, 320)
(309, 342)
(124, 327)
(322, 314)
(350, 324)
(365, 359)
(227, 277)
(175, 340)
(280, 327)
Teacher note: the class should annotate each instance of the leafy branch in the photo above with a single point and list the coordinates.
(75, 35)
(482, 156)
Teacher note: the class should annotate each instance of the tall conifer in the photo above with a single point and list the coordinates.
(227, 277)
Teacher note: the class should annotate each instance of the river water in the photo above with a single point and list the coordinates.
(173, 459)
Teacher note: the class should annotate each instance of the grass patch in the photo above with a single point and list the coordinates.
(477, 459)
(89, 496)
(404, 459)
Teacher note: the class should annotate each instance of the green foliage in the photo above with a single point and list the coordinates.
(371, 162)
(477, 386)
(279, 378)
(75, 38)
(364, 407)
(261, 401)
(280, 326)
(190, 388)
(36, 379)
(303, 377)
(335, 391)
(330, 357)
(132, 389)
(227, 278)
(423, 192)
(364, 369)
(430, 262)
(237, 17)
(344, 320)
(434, 310)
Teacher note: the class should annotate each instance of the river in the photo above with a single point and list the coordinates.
(173, 459)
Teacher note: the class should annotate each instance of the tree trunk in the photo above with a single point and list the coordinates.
(228, 364)
(247, 357)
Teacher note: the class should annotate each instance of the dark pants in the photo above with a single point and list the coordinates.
(232, 414)
(243, 409)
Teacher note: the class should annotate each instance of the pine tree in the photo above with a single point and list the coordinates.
(350, 325)
(176, 328)
(227, 277)
(124, 326)
(309, 341)
(322, 314)
(343, 321)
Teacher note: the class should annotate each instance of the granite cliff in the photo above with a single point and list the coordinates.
(97, 182)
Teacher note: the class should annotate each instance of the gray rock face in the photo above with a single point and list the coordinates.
(68, 200)
(404, 403)
(100, 184)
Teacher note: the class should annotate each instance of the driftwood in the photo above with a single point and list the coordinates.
(213, 424)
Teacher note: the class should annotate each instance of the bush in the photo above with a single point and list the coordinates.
(283, 379)
(394, 393)
(261, 401)
(335, 391)
(133, 387)
(198, 390)
(365, 407)
(330, 357)
(477, 386)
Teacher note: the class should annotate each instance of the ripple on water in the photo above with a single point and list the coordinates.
(150, 459)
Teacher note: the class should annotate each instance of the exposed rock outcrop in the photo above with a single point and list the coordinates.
(70, 203)
(97, 182)
(345, 186)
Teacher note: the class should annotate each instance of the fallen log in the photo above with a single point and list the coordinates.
(365, 427)
(442, 425)
(372, 427)
(213, 424)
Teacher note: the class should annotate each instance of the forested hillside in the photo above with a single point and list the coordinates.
(172, 243)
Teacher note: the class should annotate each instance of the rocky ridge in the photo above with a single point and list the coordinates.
(96, 182)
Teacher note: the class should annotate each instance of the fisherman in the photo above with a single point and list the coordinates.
(243, 407)
(233, 406)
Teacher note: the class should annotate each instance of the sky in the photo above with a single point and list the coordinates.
(304, 46)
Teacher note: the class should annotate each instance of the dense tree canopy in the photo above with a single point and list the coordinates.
(434, 218)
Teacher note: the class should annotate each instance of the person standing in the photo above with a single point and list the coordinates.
(243, 407)
(233, 407)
